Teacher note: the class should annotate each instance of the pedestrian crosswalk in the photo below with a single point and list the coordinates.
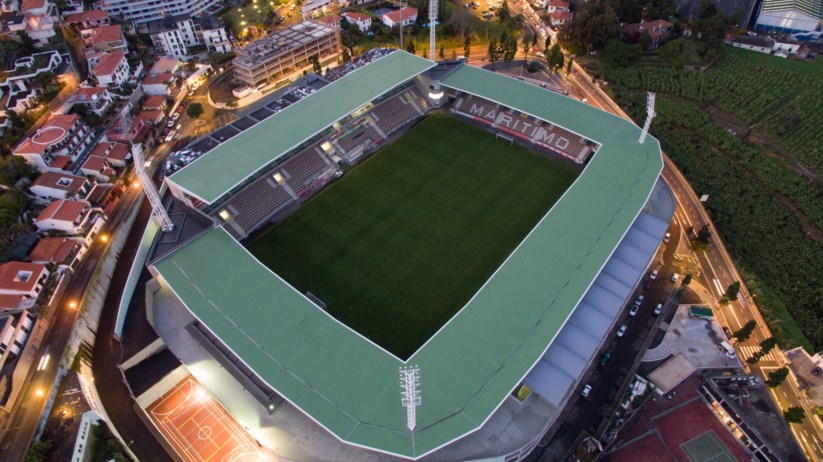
(747, 352)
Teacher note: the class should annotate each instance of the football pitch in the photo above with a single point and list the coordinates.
(397, 246)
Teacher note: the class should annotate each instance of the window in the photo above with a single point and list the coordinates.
(63, 182)
(22, 276)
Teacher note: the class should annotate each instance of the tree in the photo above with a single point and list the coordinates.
(12, 168)
(645, 40)
(794, 414)
(493, 52)
(46, 79)
(687, 280)
(745, 332)
(594, 24)
(12, 204)
(467, 46)
(461, 21)
(619, 54)
(504, 13)
(442, 53)
(569, 71)
(410, 47)
(39, 452)
(555, 58)
(346, 55)
(27, 42)
(777, 377)
(732, 291)
(509, 46)
(702, 239)
(216, 58)
(454, 54)
(315, 62)
(767, 345)
(527, 40)
(194, 110)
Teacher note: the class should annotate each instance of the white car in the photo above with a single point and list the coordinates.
(634, 310)
(586, 391)
(658, 309)
(653, 276)
(668, 236)
(674, 277)
(639, 299)
(622, 330)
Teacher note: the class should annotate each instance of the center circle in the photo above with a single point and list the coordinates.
(204, 433)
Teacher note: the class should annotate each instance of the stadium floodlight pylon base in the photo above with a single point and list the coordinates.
(649, 116)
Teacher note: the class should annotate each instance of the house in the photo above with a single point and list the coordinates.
(61, 140)
(127, 129)
(331, 20)
(765, 45)
(19, 90)
(116, 154)
(158, 84)
(155, 103)
(658, 30)
(105, 38)
(87, 19)
(174, 36)
(404, 16)
(112, 70)
(98, 167)
(97, 100)
(63, 252)
(560, 18)
(557, 6)
(60, 185)
(74, 218)
(23, 279)
(141, 12)
(151, 117)
(37, 18)
(362, 21)
(790, 16)
(9, 6)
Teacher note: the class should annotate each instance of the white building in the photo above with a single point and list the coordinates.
(174, 35)
(60, 141)
(97, 100)
(362, 21)
(405, 16)
(112, 69)
(75, 218)
(314, 8)
(38, 19)
(790, 16)
(60, 185)
(159, 84)
(22, 278)
(143, 11)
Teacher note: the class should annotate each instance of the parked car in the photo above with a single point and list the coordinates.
(658, 309)
(674, 277)
(605, 358)
(667, 238)
(633, 311)
(653, 275)
(621, 330)
(639, 299)
(586, 391)
(727, 332)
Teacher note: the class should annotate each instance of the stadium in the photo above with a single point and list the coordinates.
(442, 300)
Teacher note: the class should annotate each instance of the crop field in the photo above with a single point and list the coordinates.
(747, 132)
(396, 247)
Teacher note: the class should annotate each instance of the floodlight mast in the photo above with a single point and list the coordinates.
(410, 393)
(649, 116)
(432, 23)
(158, 210)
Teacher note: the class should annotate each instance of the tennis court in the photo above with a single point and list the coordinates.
(200, 429)
(706, 448)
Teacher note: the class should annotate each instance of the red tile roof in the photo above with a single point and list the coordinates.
(87, 93)
(62, 210)
(52, 180)
(52, 132)
(9, 272)
(26, 5)
(559, 4)
(108, 63)
(408, 12)
(90, 15)
(150, 116)
(329, 19)
(561, 16)
(359, 16)
(119, 152)
(53, 249)
(10, 302)
(154, 102)
(106, 34)
(94, 163)
(60, 162)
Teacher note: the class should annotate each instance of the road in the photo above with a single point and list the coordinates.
(718, 271)
(30, 406)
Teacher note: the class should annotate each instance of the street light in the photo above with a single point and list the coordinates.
(73, 305)
(135, 184)
(39, 392)
(104, 238)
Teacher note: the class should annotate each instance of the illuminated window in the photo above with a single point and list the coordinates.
(225, 215)
(278, 177)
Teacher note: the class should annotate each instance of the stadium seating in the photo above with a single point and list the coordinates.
(304, 168)
(517, 124)
(393, 113)
(419, 100)
(257, 202)
(477, 108)
(363, 135)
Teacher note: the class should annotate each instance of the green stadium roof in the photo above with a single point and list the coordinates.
(227, 165)
(349, 385)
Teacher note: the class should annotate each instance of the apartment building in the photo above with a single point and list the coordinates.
(174, 36)
(143, 11)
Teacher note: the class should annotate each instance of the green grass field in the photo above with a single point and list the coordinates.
(397, 246)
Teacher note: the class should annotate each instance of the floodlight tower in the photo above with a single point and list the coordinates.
(151, 191)
(410, 393)
(432, 23)
(649, 116)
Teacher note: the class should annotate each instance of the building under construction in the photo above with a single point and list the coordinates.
(264, 61)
